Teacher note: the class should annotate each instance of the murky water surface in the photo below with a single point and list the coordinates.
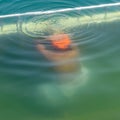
(32, 84)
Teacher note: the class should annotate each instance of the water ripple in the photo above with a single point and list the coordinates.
(97, 42)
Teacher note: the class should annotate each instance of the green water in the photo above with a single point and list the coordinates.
(30, 89)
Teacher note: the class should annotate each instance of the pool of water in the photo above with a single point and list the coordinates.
(30, 87)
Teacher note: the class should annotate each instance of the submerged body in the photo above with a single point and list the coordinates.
(64, 54)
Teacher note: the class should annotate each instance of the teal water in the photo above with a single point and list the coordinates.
(30, 89)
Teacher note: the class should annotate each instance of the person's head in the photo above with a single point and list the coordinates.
(60, 41)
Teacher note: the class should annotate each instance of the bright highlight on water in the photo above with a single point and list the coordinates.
(30, 27)
(61, 10)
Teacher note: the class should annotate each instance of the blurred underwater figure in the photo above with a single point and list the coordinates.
(63, 53)
(72, 74)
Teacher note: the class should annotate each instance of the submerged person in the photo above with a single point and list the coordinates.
(64, 53)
